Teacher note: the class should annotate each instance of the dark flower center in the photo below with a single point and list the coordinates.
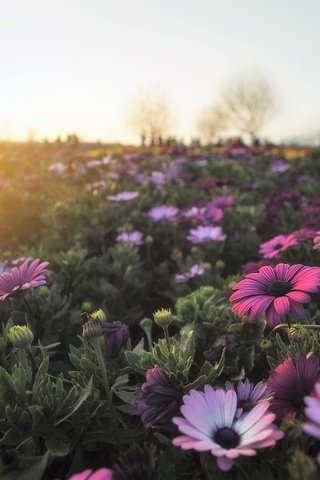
(297, 397)
(278, 288)
(226, 437)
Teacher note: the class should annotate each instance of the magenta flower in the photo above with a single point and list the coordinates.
(205, 234)
(123, 197)
(159, 400)
(275, 291)
(116, 336)
(213, 213)
(221, 202)
(194, 271)
(290, 382)
(163, 212)
(248, 394)
(274, 247)
(89, 474)
(134, 238)
(209, 423)
(312, 412)
(253, 267)
(316, 242)
(28, 274)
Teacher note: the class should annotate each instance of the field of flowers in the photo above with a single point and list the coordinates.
(160, 313)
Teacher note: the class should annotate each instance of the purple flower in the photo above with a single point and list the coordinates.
(194, 271)
(93, 163)
(123, 197)
(89, 474)
(163, 212)
(29, 274)
(253, 267)
(116, 335)
(134, 238)
(210, 423)
(248, 394)
(274, 247)
(275, 291)
(316, 242)
(212, 213)
(290, 382)
(59, 168)
(204, 234)
(159, 400)
(312, 412)
(279, 166)
(221, 202)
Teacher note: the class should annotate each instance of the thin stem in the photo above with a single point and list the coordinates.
(33, 364)
(28, 307)
(167, 337)
(242, 470)
(102, 366)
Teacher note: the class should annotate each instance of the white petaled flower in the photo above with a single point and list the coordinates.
(209, 423)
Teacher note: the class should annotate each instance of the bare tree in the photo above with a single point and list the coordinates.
(248, 103)
(150, 116)
(211, 123)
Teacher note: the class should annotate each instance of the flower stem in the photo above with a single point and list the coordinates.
(33, 364)
(167, 337)
(97, 348)
(28, 307)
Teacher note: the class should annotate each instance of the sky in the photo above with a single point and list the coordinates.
(76, 65)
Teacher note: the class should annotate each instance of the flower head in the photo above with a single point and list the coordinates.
(28, 274)
(316, 242)
(274, 247)
(312, 412)
(89, 474)
(116, 336)
(290, 381)
(209, 423)
(275, 291)
(123, 197)
(248, 393)
(134, 238)
(196, 270)
(205, 234)
(159, 400)
(163, 212)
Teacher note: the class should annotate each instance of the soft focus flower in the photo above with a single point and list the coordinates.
(163, 213)
(248, 393)
(96, 185)
(89, 474)
(213, 213)
(159, 400)
(209, 183)
(274, 247)
(135, 238)
(29, 274)
(277, 198)
(93, 163)
(316, 242)
(137, 463)
(304, 234)
(253, 267)
(312, 412)
(194, 271)
(116, 336)
(204, 234)
(123, 197)
(279, 166)
(221, 202)
(209, 423)
(59, 168)
(275, 291)
(290, 382)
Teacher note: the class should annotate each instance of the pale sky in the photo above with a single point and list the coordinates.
(75, 65)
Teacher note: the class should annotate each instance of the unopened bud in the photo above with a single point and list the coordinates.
(99, 315)
(163, 318)
(92, 328)
(301, 466)
(20, 336)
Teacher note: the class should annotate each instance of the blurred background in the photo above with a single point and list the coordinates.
(135, 71)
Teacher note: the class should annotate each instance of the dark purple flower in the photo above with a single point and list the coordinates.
(160, 399)
(116, 335)
(137, 463)
(290, 382)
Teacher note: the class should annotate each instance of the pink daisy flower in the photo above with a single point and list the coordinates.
(163, 212)
(123, 197)
(134, 238)
(289, 382)
(209, 423)
(194, 271)
(275, 291)
(89, 474)
(274, 247)
(312, 412)
(29, 274)
(205, 234)
(316, 242)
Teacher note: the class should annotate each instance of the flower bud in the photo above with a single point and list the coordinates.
(163, 318)
(20, 336)
(149, 240)
(92, 328)
(116, 336)
(99, 315)
(146, 324)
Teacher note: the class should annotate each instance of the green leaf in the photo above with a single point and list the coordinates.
(82, 398)
(27, 468)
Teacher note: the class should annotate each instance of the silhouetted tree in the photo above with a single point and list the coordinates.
(211, 123)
